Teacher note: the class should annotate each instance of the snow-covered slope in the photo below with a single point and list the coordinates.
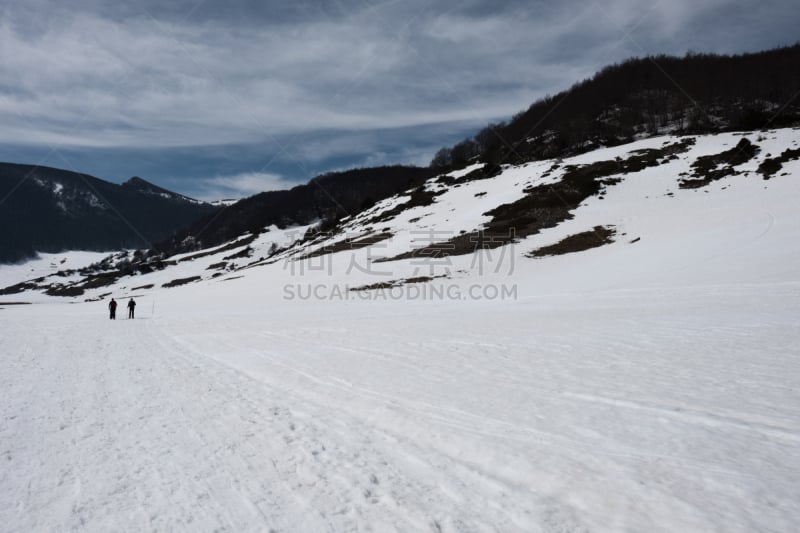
(46, 265)
(648, 384)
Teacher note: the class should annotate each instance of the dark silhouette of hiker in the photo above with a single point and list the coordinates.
(112, 309)
(131, 307)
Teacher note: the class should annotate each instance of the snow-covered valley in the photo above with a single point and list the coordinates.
(649, 384)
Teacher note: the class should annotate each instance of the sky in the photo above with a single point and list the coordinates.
(224, 99)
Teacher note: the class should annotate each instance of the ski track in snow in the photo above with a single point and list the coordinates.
(208, 423)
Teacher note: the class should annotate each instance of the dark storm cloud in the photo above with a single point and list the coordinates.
(318, 85)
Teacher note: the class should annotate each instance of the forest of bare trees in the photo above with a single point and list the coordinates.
(697, 93)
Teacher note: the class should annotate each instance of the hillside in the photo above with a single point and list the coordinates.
(637, 99)
(327, 198)
(478, 208)
(642, 97)
(624, 360)
(51, 210)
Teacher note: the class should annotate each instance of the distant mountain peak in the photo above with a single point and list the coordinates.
(137, 183)
(145, 187)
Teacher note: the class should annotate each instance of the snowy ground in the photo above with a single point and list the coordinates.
(45, 265)
(651, 387)
(620, 411)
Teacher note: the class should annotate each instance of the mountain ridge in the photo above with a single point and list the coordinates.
(47, 209)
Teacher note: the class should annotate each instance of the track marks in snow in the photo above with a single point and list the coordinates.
(361, 481)
(694, 416)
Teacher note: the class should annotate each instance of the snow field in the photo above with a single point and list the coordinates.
(602, 413)
(647, 386)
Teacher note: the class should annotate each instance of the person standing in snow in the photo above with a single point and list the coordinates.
(131, 307)
(112, 309)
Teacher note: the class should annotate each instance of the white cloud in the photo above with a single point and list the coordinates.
(93, 81)
(80, 76)
(239, 185)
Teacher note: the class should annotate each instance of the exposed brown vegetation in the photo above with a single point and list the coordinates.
(181, 281)
(545, 206)
(244, 241)
(390, 284)
(350, 243)
(19, 287)
(93, 281)
(771, 165)
(708, 168)
(247, 252)
(420, 197)
(64, 290)
(586, 240)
